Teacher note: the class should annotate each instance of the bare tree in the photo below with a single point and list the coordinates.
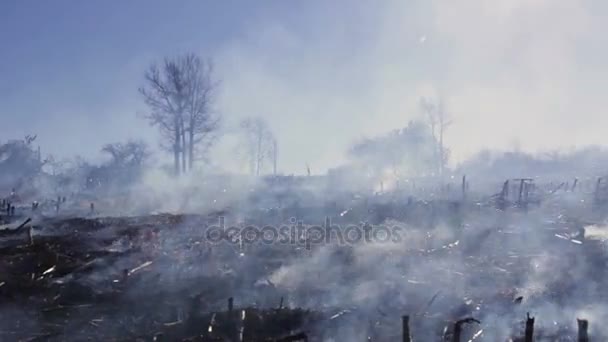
(260, 143)
(274, 154)
(179, 95)
(439, 121)
(165, 95)
(202, 121)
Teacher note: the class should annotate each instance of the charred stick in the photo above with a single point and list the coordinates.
(405, 320)
(529, 334)
(583, 326)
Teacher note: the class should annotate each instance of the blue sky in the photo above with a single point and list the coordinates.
(324, 73)
(78, 63)
(70, 69)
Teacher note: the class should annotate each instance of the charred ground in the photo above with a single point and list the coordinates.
(159, 277)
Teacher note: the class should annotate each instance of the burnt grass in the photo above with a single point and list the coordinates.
(156, 278)
(78, 281)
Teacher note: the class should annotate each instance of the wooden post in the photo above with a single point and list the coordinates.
(583, 325)
(231, 326)
(529, 337)
(194, 310)
(521, 190)
(457, 332)
(504, 195)
(597, 189)
(405, 320)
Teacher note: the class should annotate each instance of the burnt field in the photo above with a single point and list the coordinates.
(281, 171)
(458, 269)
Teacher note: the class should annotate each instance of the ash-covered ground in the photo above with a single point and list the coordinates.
(277, 265)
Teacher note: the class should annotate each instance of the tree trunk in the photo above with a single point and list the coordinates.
(176, 148)
(184, 147)
(190, 149)
(259, 155)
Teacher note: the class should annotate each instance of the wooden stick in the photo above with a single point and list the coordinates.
(529, 337)
(405, 320)
(583, 326)
(24, 223)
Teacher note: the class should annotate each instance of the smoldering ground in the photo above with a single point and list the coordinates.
(472, 260)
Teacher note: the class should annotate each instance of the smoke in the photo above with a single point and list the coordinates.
(479, 269)
(528, 71)
(505, 72)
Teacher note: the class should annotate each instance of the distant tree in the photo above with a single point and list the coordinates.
(274, 153)
(19, 160)
(180, 96)
(55, 166)
(130, 154)
(259, 142)
(125, 165)
(439, 121)
(408, 151)
(589, 161)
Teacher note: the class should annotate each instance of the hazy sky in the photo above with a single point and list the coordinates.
(324, 73)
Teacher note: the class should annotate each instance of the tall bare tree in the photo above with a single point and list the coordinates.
(202, 121)
(274, 154)
(439, 121)
(260, 143)
(179, 95)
